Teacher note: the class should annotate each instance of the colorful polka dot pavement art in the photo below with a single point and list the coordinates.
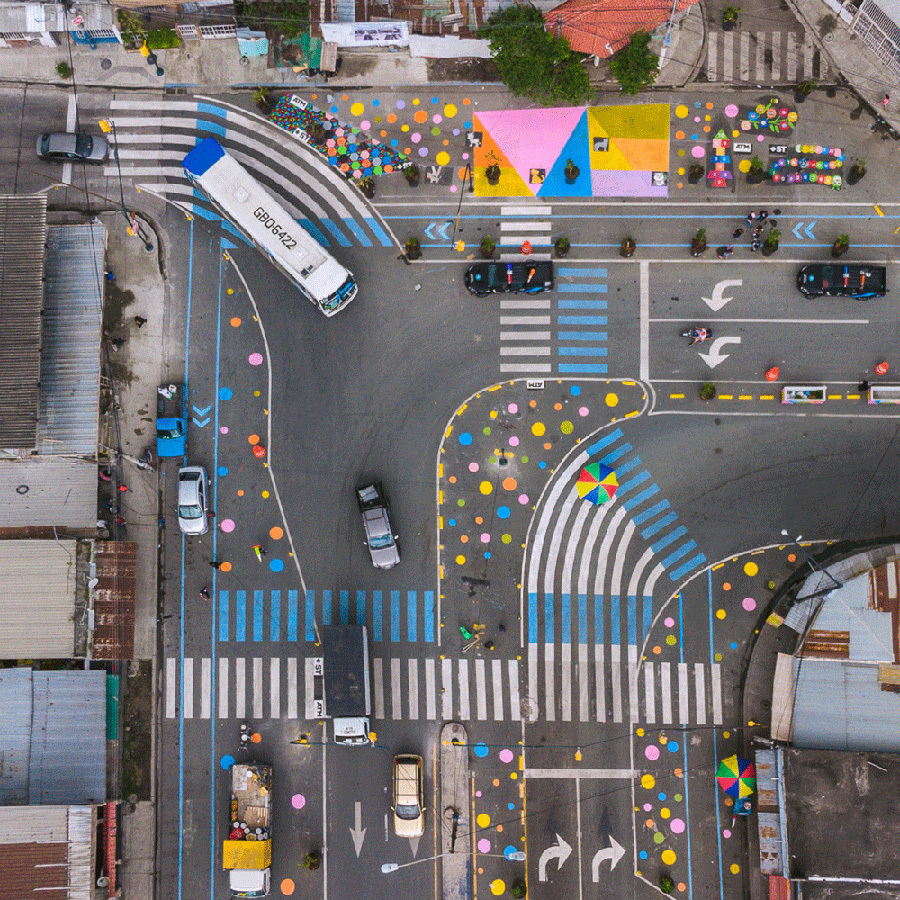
(499, 809)
(497, 454)
(676, 762)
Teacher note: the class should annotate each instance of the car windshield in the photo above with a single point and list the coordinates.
(173, 432)
(84, 143)
(380, 541)
(189, 512)
(407, 811)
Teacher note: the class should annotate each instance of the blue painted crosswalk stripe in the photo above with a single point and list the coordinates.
(648, 514)
(292, 616)
(532, 618)
(625, 468)
(275, 619)
(640, 498)
(310, 615)
(565, 271)
(360, 607)
(632, 619)
(565, 619)
(257, 615)
(582, 618)
(659, 524)
(581, 335)
(605, 441)
(211, 127)
(379, 232)
(648, 616)
(395, 616)
(428, 619)
(581, 289)
(640, 478)
(548, 618)
(223, 616)
(326, 607)
(411, 616)
(669, 538)
(211, 109)
(376, 615)
(682, 551)
(582, 351)
(313, 231)
(583, 369)
(598, 620)
(615, 626)
(698, 560)
(581, 320)
(361, 236)
(618, 453)
(345, 607)
(336, 233)
(240, 616)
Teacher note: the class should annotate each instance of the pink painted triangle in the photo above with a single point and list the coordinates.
(531, 138)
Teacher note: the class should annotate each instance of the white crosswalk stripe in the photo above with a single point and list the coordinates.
(763, 57)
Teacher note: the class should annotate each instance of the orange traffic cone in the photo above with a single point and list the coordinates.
(259, 451)
(526, 248)
(882, 368)
(772, 374)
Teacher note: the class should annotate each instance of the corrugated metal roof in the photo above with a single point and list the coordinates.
(48, 491)
(68, 740)
(23, 234)
(33, 824)
(113, 598)
(37, 595)
(70, 355)
(15, 708)
(34, 870)
(37, 17)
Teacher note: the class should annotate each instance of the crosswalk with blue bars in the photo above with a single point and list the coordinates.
(291, 615)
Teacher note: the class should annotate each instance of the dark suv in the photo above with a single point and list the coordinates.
(827, 280)
(529, 277)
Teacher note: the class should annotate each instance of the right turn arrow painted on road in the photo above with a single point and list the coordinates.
(613, 854)
(559, 851)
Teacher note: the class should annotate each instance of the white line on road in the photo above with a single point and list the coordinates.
(257, 687)
(396, 710)
(583, 677)
(528, 368)
(649, 695)
(684, 711)
(525, 335)
(565, 688)
(292, 687)
(240, 688)
(716, 679)
(514, 704)
(223, 687)
(524, 351)
(480, 690)
(776, 321)
(524, 304)
(414, 689)
(524, 320)
(604, 774)
(275, 688)
(497, 677)
(700, 691)
(645, 321)
(187, 680)
(665, 679)
(430, 701)
(463, 675)
(170, 687)
(447, 689)
(378, 665)
(549, 690)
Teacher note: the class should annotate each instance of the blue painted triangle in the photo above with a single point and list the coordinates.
(577, 148)
(227, 245)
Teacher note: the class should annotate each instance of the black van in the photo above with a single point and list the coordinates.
(529, 277)
(827, 280)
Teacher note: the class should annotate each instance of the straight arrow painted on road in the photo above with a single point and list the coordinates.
(358, 833)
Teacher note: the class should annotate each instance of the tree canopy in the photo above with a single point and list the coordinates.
(635, 66)
(533, 63)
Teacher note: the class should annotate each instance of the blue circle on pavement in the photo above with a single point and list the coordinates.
(480, 750)
(502, 512)
(733, 645)
(661, 796)
(542, 465)
(222, 471)
(394, 142)
(575, 389)
(465, 438)
(643, 854)
(226, 762)
(434, 100)
(276, 565)
(467, 124)
(451, 521)
(487, 554)
(225, 393)
(510, 851)
(376, 102)
(334, 109)
(673, 746)
(510, 806)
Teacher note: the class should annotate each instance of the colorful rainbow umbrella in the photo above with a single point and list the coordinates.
(736, 777)
(597, 483)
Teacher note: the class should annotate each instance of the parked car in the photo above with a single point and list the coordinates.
(409, 796)
(829, 280)
(380, 539)
(529, 277)
(71, 147)
(193, 515)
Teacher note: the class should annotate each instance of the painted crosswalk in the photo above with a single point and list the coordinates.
(153, 135)
(273, 616)
(562, 332)
(608, 688)
(526, 222)
(763, 57)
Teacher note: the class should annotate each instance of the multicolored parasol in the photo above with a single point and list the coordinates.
(736, 777)
(597, 483)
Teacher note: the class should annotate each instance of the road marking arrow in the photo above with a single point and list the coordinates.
(441, 230)
(414, 846)
(559, 851)
(201, 412)
(799, 231)
(613, 854)
(717, 301)
(359, 833)
(809, 230)
(201, 424)
(715, 356)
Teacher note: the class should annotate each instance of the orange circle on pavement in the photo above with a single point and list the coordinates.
(236, 321)
(225, 566)
(240, 493)
(392, 117)
(509, 484)
(253, 439)
(421, 116)
(287, 887)
(276, 533)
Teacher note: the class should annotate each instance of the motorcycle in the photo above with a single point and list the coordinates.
(698, 335)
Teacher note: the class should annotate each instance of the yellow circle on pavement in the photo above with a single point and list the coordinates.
(538, 429)
(647, 781)
(498, 887)
(751, 568)
(612, 400)
(483, 820)
(668, 857)
(485, 487)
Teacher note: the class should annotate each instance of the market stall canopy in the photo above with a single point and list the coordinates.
(736, 777)
(597, 483)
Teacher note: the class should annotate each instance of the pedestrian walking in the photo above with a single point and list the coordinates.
(737, 232)
(725, 252)
(863, 386)
(755, 244)
(118, 343)
(140, 321)
(757, 232)
(750, 217)
(886, 100)
(215, 564)
(260, 551)
(763, 215)
(204, 593)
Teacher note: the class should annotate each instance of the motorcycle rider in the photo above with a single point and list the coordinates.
(699, 335)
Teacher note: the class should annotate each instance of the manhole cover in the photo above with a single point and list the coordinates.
(105, 64)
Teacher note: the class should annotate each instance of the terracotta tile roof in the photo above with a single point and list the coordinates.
(603, 27)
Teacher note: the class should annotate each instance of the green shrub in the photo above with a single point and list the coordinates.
(63, 70)
(163, 39)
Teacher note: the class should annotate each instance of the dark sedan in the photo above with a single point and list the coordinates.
(528, 277)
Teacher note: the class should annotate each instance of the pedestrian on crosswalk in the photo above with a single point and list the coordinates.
(204, 593)
(260, 551)
(750, 217)
(725, 252)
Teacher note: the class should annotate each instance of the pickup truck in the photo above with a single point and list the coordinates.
(171, 420)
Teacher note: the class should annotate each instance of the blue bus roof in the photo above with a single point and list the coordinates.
(203, 157)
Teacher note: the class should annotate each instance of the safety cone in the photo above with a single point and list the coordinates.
(526, 248)
(772, 374)
(259, 451)
(882, 368)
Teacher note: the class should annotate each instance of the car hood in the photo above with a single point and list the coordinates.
(385, 557)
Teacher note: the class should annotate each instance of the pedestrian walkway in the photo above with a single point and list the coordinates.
(275, 616)
(764, 58)
(153, 135)
(561, 333)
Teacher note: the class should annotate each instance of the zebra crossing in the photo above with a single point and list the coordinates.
(518, 225)
(274, 616)
(562, 333)
(763, 57)
(153, 135)
(608, 687)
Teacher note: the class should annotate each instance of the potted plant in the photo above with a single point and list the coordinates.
(571, 172)
(803, 90)
(63, 70)
(756, 172)
(488, 246)
(707, 392)
(695, 173)
(312, 860)
(729, 18)
(413, 248)
(627, 247)
(857, 171)
(517, 888)
(262, 97)
(561, 246)
(666, 882)
(316, 132)
(411, 174)
(698, 242)
(367, 186)
(770, 244)
(841, 245)
(492, 173)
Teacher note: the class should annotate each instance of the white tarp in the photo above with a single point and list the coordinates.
(366, 34)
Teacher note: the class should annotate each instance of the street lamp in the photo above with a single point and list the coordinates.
(518, 855)
(812, 563)
(107, 127)
(467, 180)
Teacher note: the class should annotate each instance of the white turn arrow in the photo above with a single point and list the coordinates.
(559, 851)
(717, 301)
(613, 854)
(715, 356)
(359, 833)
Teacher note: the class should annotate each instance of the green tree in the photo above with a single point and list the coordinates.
(635, 67)
(533, 63)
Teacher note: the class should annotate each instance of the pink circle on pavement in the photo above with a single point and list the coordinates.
(224, 429)
(651, 751)
(697, 152)
(583, 411)
(477, 793)
(648, 807)
(506, 755)
(227, 525)
(298, 801)
(473, 467)
(749, 604)
(365, 124)
(485, 538)
(513, 441)
(513, 408)
(677, 826)
(452, 188)
(255, 359)
(669, 621)
(484, 845)
(465, 156)
(437, 119)
(523, 499)
(726, 833)
(731, 110)
(415, 137)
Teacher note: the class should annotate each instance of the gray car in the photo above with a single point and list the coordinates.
(380, 539)
(192, 505)
(63, 147)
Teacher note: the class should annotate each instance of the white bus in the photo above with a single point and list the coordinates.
(239, 197)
